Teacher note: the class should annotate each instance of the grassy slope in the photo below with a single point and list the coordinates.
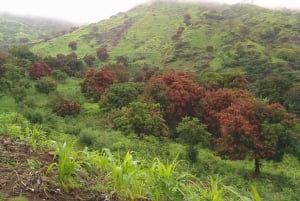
(278, 181)
(148, 37)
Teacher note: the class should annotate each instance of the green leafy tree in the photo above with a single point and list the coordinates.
(140, 118)
(22, 56)
(214, 81)
(192, 132)
(274, 88)
(14, 73)
(120, 95)
(292, 99)
(46, 85)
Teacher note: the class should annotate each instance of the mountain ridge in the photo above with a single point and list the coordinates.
(25, 30)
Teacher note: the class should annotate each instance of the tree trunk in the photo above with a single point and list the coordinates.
(257, 170)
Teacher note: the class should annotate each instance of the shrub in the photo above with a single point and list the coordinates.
(119, 95)
(63, 107)
(72, 45)
(193, 132)
(2, 71)
(46, 85)
(141, 118)
(59, 75)
(95, 83)
(102, 53)
(89, 59)
(39, 69)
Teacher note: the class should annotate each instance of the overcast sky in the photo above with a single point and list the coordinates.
(88, 11)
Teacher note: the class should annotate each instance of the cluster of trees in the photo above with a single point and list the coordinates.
(218, 113)
(214, 110)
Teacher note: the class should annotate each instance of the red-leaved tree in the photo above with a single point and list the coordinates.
(72, 45)
(39, 69)
(102, 53)
(251, 128)
(95, 83)
(182, 94)
(64, 107)
(217, 101)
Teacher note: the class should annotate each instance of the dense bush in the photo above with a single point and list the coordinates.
(39, 69)
(95, 83)
(119, 95)
(63, 107)
(192, 132)
(72, 45)
(89, 59)
(177, 92)
(14, 73)
(120, 72)
(102, 53)
(140, 118)
(59, 75)
(46, 85)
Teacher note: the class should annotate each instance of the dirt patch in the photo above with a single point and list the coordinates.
(114, 35)
(19, 177)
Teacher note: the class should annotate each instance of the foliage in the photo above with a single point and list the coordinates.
(187, 19)
(12, 124)
(145, 74)
(63, 107)
(124, 60)
(3, 71)
(13, 73)
(46, 85)
(125, 176)
(182, 94)
(166, 184)
(215, 102)
(23, 53)
(59, 75)
(95, 83)
(141, 118)
(73, 45)
(178, 33)
(120, 95)
(193, 132)
(120, 72)
(292, 99)
(67, 164)
(274, 88)
(102, 53)
(38, 70)
(21, 29)
(89, 59)
(214, 81)
(36, 136)
(253, 129)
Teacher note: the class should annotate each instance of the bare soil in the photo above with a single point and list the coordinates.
(18, 178)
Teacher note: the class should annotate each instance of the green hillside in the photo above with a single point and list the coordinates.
(16, 30)
(112, 111)
(214, 36)
(201, 38)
